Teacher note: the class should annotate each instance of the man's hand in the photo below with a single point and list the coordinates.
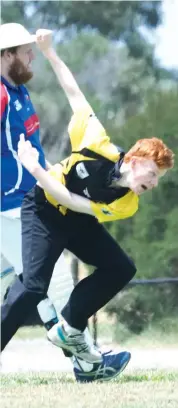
(44, 40)
(28, 155)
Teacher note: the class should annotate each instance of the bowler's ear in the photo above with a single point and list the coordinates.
(134, 161)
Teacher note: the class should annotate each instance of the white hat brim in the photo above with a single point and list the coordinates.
(32, 39)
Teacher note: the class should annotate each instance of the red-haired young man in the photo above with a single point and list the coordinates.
(97, 183)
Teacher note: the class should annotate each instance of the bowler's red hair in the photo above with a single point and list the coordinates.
(154, 149)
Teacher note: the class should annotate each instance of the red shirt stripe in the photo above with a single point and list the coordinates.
(4, 100)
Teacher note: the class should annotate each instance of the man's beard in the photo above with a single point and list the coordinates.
(19, 73)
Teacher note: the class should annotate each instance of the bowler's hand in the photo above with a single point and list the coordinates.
(28, 155)
(44, 39)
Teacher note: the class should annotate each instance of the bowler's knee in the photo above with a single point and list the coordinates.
(126, 267)
(131, 268)
(31, 290)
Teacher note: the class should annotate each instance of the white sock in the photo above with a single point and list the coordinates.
(82, 365)
(46, 310)
(69, 329)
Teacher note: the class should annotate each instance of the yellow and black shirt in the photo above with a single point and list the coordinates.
(90, 170)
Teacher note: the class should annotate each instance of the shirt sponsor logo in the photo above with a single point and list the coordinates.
(32, 124)
(81, 171)
(106, 212)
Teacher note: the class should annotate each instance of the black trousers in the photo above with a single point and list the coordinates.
(45, 234)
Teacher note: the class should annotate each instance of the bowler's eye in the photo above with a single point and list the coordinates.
(144, 187)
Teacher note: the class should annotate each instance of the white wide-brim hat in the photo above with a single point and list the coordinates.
(13, 34)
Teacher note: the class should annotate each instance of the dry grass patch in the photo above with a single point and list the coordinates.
(149, 389)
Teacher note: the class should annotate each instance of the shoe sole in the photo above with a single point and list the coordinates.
(67, 353)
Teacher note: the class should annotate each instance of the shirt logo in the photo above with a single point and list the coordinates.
(106, 212)
(81, 171)
(32, 124)
(18, 105)
(85, 191)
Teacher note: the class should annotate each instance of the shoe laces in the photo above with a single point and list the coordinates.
(78, 340)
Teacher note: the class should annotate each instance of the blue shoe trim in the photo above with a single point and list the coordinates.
(7, 272)
(60, 334)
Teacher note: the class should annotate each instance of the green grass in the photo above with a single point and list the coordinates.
(148, 389)
(30, 332)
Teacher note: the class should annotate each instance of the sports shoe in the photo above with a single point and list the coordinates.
(74, 341)
(111, 366)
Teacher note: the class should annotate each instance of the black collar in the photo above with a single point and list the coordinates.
(115, 174)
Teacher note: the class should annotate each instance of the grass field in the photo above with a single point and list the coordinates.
(149, 389)
(133, 389)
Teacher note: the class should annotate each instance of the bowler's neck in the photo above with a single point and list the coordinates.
(124, 176)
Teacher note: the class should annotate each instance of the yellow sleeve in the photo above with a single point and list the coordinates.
(121, 208)
(78, 125)
(96, 139)
(86, 131)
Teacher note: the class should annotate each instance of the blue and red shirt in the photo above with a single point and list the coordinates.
(17, 116)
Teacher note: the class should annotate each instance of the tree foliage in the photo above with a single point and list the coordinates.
(116, 20)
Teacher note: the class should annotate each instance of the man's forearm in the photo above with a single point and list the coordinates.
(48, 165)
(64, 197)
(66, 79)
